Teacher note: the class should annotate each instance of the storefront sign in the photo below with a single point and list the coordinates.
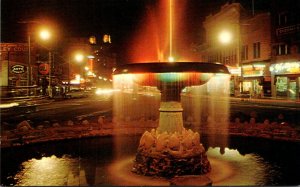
(288, 30)
(18, 69)
(234, 70)
(14, 47)
(285, 68)
(44, 69)
(253, 70)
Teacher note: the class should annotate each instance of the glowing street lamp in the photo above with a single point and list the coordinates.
(45, 35)
(225, 37)
(79, 57)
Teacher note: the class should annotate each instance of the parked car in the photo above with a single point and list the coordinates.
(76, 93)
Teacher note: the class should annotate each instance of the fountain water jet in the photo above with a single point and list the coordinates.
(170, 149)
(162, 35)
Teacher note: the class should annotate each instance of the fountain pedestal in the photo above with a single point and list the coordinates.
(171, 150)
(170, 117)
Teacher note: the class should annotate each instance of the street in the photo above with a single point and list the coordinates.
(62, 110)
(94, 106)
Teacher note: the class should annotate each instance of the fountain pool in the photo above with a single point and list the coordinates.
(92, 161)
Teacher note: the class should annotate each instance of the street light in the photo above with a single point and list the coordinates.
(45, 35)
(29, 71)
(78, 57)
(225, 37)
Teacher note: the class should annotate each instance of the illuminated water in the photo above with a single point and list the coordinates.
(245, 161)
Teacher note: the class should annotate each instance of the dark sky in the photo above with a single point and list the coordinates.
(83, 18)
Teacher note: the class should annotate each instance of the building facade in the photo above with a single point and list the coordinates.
(263, 54)
(227, 20)
(256, 55)
(285, 67)
(18, 71)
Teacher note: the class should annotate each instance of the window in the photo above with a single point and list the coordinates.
(282, 49)
(256, 50)
(245, 52)
(281, 86)
(283, 19)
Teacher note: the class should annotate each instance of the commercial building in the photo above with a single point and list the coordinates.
(223, 41)
(256, 55)
(261, 50)
(285, 67)
(18, 71)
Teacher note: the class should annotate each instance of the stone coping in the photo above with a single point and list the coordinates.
(16, 137)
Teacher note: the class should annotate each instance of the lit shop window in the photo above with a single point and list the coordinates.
(281, 86)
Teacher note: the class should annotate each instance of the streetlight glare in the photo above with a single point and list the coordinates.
(171, 59)
(79, 57)
(225, 37)
(45, 34)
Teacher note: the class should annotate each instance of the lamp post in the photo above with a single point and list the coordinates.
(226, 37)
(50, 67)
(45, 35)
(79, 57)
(29, 70)
(29, 65)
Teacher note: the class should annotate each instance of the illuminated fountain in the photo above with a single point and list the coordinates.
(170, 149)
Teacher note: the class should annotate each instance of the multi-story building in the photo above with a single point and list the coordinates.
(225, 22)
(246, 51)
(285, 67)
(256, 55)
(98, 64)
(18, 69)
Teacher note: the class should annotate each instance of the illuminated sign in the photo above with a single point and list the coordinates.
(44, 69)
(288, 30)
(18, 69)
(285, 68)
(234, 70)
(14, 47)
(106, 38)
(253, 70)
(92, 40)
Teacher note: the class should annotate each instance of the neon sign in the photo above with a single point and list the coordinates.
(285, 68)
(253, 70)
(18, 69)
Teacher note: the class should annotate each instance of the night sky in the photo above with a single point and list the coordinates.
(83, 18)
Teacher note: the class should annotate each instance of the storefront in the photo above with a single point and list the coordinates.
(234, 80)
(14, 71)
(256, 80)
(286, 79)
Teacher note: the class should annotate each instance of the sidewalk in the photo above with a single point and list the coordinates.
(24, 99)
(25, 104)
(267, 99)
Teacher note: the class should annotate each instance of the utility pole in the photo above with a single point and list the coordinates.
(50, 67)
(29, 65)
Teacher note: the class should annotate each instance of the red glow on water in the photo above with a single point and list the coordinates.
(152, 41)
